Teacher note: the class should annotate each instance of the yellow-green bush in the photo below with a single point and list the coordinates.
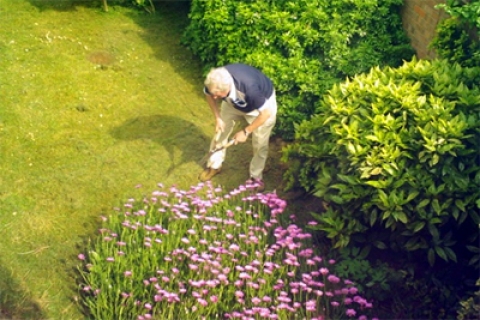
(395, 153)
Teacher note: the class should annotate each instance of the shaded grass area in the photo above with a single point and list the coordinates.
(19, 303)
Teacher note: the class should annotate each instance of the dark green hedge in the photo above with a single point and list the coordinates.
(305, 46)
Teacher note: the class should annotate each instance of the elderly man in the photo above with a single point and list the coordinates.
(245, 93)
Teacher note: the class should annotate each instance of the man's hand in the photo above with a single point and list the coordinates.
(241, 136)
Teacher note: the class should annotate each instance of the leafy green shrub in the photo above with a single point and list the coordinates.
(304, 45)
(453, 42)
(466, 10)
(395, 153)
(429, 294)
(470, 308)
(456, 37)
(402, 289)
(202, 254)
(470, 304)
(375, 280)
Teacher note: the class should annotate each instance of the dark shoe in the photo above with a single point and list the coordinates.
(256, 184)
(208, 174)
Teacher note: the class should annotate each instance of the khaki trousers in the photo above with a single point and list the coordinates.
(260, 136)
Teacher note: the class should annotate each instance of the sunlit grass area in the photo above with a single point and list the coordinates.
(92, 105)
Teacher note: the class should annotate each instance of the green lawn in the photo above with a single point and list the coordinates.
(77, 136)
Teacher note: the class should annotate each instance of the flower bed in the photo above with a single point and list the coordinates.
(202, 254)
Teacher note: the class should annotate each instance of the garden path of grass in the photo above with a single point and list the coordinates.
(78, 134)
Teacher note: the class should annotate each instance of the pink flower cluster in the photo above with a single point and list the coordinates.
(215, 258)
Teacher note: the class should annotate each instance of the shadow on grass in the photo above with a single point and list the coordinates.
(163, 33)
(64, 5)
(183, 140)
(14, 302)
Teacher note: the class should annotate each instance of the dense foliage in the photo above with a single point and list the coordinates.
(304, 46)
(457, 38)
(395, 153)
(203, 254)
(466, 10)
(470, 308)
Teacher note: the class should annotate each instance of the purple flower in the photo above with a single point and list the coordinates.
(323, 271)
(311, 305)
(238, 283)
(81, 256)
(253, 285)
(193, 266)
(333, 279)
(244, 275)
(284, 299)
(223, 278)
(350, 312)
(251, 268)
(202, 302)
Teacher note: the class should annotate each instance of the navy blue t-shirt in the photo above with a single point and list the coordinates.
(256, 86)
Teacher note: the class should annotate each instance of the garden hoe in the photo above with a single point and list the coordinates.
(213, 160)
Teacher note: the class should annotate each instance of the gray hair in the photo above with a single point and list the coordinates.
(218, 80)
